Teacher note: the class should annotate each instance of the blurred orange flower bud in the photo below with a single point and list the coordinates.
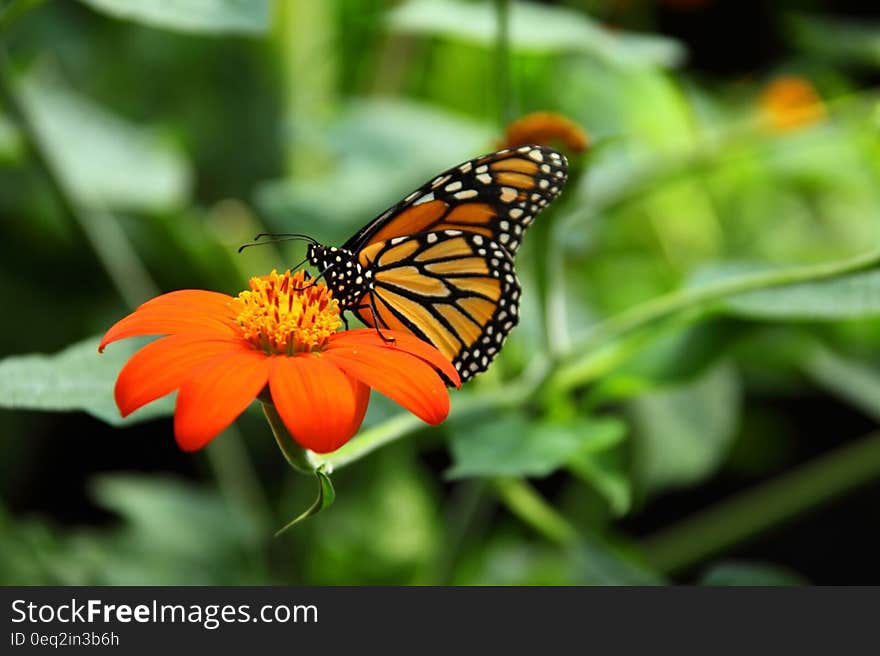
(546, 129)
(791, 102)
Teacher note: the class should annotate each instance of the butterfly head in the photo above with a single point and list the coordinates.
(339, 267)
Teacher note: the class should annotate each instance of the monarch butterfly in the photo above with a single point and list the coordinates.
(440, 263)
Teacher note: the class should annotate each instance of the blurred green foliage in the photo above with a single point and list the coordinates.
(701, 274)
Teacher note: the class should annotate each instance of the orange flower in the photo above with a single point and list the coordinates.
(545, 128)
(791, 102)
(278, 341)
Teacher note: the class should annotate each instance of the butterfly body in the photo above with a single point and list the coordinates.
(440, 264)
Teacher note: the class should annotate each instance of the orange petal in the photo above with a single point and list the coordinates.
(405, 378)
(216, 393)
(321, 406)
(161, 366)
(199, 299)
(402, 342)
(185, 311)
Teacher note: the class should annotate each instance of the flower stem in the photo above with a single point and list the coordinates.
(298, 458)
(730, 522)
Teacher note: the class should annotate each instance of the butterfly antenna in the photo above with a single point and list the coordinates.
(277, 237)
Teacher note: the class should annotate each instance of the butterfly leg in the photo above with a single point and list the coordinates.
(377, 320)
(312, 281)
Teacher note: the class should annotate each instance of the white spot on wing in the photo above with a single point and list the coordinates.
(424, 199)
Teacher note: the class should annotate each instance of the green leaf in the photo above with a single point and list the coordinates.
(204, 16)
(104, 159)
(534, 28)
(855, 296)
(606, 472)
(166, 532)
(854, 381)
(733, 573)
(168, 514)
(75, 379)
(512, 445)
(326, 497)
(682, 433)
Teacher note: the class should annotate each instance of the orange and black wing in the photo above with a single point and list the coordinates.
(455, 289)
(496, 196)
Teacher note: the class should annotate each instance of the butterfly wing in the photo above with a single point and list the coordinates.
(440, 262)
(454, 289)
(496, 196)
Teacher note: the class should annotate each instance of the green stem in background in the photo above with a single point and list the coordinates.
(691, 541)
(554, 304)
(585, 364)
(466, 508)
(304, 31)
(524, 502)
(502, 63)
(371, 439)
(236, 478)
(661, 307)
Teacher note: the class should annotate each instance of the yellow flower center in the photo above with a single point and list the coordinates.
(286, 314)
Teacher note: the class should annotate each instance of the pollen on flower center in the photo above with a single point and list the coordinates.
(286, 314)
